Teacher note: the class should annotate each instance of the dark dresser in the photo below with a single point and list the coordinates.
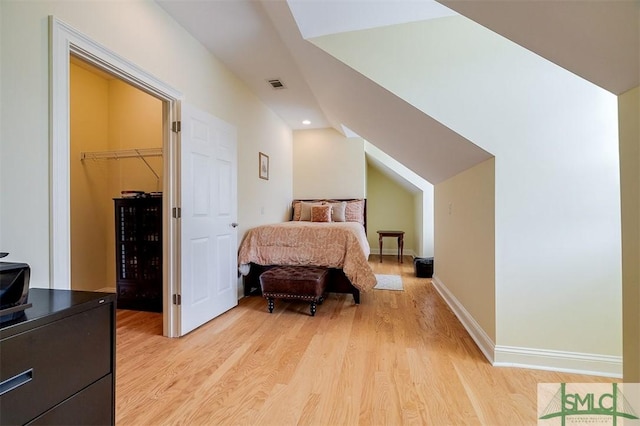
(139, 253)
(57, 363)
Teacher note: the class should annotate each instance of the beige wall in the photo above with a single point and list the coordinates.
(263, 201)
(464, 258)
(629, 116)
(389, 207)
(143, 33)
(557, 203)
(327, 165)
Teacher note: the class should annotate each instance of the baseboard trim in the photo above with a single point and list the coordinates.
(537, 359)
(482, 339)
(106, 290)
(393, 252)
(561, 361)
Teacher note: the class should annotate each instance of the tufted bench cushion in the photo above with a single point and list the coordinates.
(307, 283)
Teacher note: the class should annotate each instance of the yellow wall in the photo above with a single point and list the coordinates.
(106, 115)
(423, 196)
(464, 260)
(135, 121)
(89, 183)
(389, 207)
(629, 116)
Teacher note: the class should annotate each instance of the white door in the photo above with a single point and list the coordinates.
(208, 182)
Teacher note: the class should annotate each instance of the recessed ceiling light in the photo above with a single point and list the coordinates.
(306, 122)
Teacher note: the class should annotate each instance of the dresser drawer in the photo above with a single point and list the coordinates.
(52, 362)
(89, 407)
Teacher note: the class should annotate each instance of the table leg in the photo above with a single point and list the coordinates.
(380, 241)
(401, 247)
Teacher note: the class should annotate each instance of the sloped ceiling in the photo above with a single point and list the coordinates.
(240, 34)
(597, 40)
(260, 40)
(344, 96)
(421, 143)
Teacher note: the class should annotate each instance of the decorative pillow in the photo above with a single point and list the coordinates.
(305, 210)
(321, 213)
(338, 209)
(354, 211)
(296, 210)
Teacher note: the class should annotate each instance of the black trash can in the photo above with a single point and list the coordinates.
(423, 267)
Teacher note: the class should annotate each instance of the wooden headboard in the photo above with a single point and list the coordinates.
(316, 200)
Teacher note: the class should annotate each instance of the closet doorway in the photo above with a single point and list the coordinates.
(116, 178)
(199, 218)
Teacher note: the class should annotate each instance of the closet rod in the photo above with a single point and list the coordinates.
(124, 153)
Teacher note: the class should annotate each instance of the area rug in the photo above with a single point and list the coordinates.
(388, 282)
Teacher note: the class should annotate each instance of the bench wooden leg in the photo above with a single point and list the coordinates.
(270, 302)
(313, 309)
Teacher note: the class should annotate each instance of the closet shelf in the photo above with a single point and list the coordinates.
(123, 153)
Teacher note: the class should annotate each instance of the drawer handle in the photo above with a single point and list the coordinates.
(16, 381)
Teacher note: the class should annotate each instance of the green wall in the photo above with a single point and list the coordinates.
(389, 207)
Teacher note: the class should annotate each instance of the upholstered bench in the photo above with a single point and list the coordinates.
(307, 283)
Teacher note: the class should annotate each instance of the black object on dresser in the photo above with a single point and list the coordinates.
(139, 253)
(58, 360)
(14, 290)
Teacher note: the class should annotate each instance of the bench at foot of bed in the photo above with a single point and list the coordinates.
(308, 283)
(337, 282)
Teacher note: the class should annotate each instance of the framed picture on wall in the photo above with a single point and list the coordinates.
(263, 164)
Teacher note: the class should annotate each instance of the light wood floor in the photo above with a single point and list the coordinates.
(400, 357)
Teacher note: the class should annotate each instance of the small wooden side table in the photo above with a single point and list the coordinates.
(396, 234)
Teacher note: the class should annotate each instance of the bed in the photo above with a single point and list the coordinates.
(326, 233)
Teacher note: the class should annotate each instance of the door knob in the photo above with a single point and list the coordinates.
(234, 224)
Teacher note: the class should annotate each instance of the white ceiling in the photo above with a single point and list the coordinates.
(260, 40)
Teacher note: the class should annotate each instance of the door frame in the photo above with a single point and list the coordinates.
(65, 41)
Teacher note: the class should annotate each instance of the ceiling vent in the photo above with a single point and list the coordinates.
(276, 83)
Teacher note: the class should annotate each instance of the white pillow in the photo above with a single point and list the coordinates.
(338, 210)
(305, 210)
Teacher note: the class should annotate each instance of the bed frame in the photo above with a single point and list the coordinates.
(337, 281)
